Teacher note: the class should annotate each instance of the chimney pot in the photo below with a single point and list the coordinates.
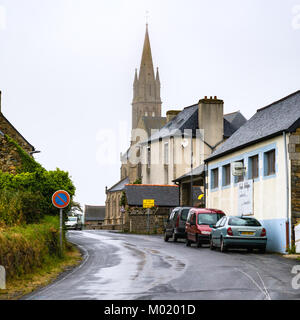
(205, 97)
(215, 97)
(210, 97)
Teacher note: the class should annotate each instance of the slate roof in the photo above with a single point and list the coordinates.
(272, 120)
(188, 119)
(164, 195)
(119, 186)
(232, 122)
(94, 213)
(196, 172)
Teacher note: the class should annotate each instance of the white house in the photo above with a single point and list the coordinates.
(268, 145)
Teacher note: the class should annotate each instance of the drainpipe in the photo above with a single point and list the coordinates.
(204, 185)
(287, 224)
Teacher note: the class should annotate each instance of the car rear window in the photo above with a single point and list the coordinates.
(243, 221)
(209, 218)
(184, 214)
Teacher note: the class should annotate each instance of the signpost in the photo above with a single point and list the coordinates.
(61, 199)
(148, 204)
(2, 278)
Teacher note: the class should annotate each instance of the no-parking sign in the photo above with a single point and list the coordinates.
(61, 199)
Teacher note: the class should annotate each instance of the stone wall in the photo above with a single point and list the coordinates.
(294, 152)
(10, 158)
(140, 222)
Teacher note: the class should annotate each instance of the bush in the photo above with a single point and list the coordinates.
(23, 249)
(26, 196)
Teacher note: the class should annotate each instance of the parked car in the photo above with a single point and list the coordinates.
(238, 232)
(74, 223)
(199, 225)
(175, 227)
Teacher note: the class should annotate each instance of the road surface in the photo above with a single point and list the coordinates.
(122, 266)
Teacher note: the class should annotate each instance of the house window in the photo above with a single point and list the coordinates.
(166, 153)
(215, 178)
(148, 157)
(253, 167)
(226, 175)
(269, 163)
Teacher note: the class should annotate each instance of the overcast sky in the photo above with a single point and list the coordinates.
(67, 69)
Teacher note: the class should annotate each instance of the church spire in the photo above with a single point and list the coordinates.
(146, 87)
(146, 68)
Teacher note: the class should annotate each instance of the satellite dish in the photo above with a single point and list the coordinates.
(185, 143)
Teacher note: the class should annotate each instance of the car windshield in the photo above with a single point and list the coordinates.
(209, 218)
(243, 221)
(184, 214)
(72, 219)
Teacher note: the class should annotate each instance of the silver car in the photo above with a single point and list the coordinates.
(238, 232)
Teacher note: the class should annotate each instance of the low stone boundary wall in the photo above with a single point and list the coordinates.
(139, 221)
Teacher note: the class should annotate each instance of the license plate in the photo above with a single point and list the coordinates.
(247, 233)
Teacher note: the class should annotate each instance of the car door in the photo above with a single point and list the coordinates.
(169, 225)
(193, 227)
(218, 230)
(188, 225)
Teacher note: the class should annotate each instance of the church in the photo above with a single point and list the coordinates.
(160, 157)
(146, 116)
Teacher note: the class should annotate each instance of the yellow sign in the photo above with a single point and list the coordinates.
(201, 196)
(148, 203)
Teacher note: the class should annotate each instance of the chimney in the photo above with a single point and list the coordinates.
(172, 114)
(210, 119)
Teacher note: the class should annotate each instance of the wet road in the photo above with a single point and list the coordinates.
(118, 266)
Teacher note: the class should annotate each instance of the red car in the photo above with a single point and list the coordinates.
(199, 224)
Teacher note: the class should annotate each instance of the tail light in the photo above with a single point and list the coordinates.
(263, 232)
(177, 222)
(229, 232)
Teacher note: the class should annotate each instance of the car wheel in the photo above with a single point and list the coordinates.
(223, 247)
(211, 244)
(166, 238)
(187, 242)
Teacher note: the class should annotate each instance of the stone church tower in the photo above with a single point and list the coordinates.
(146, 88)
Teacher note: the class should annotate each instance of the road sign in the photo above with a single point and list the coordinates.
(61, 199)
(148, 203)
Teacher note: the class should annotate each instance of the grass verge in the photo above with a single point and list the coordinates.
(25, 284)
